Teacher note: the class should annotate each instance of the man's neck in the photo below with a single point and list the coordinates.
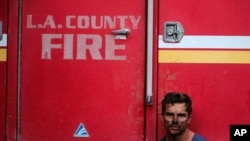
(186, 136)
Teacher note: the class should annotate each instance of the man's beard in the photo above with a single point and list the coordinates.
(175, 130)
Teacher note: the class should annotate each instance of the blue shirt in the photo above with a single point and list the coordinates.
(196, 137)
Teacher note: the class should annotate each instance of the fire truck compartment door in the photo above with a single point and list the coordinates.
(211, 63)
(77, 80)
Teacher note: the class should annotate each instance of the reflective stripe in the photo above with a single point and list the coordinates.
(204, 56)
(3, 54)
(208, 42)
(3, 42)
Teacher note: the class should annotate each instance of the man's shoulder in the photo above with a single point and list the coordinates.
(162, 139)
(198, 137)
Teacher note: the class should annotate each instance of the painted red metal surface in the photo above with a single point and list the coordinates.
(3, 70)
(12, 57)
(220, 92)
(61, 86)
(207, 17)
(2, 99)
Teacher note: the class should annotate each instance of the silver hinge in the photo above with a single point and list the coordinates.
(173, 32)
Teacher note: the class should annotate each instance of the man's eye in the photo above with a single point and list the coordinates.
(168, 114)
(182, 115)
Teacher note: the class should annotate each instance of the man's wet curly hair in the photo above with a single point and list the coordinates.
(177, 97)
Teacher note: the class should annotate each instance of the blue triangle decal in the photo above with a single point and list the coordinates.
(81, 131)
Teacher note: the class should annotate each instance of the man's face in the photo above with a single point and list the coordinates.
(176, 118)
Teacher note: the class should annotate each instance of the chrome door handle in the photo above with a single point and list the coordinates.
(123, 31)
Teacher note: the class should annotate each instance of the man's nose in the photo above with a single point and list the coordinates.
(175, 119)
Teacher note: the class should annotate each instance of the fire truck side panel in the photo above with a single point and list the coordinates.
(216, 79)
(76, 69)
(78, 80)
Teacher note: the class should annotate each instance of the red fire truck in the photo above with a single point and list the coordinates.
(98, 70)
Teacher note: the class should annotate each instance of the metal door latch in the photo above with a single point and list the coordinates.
(121, 33)
(1, 30)
(173, 32)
